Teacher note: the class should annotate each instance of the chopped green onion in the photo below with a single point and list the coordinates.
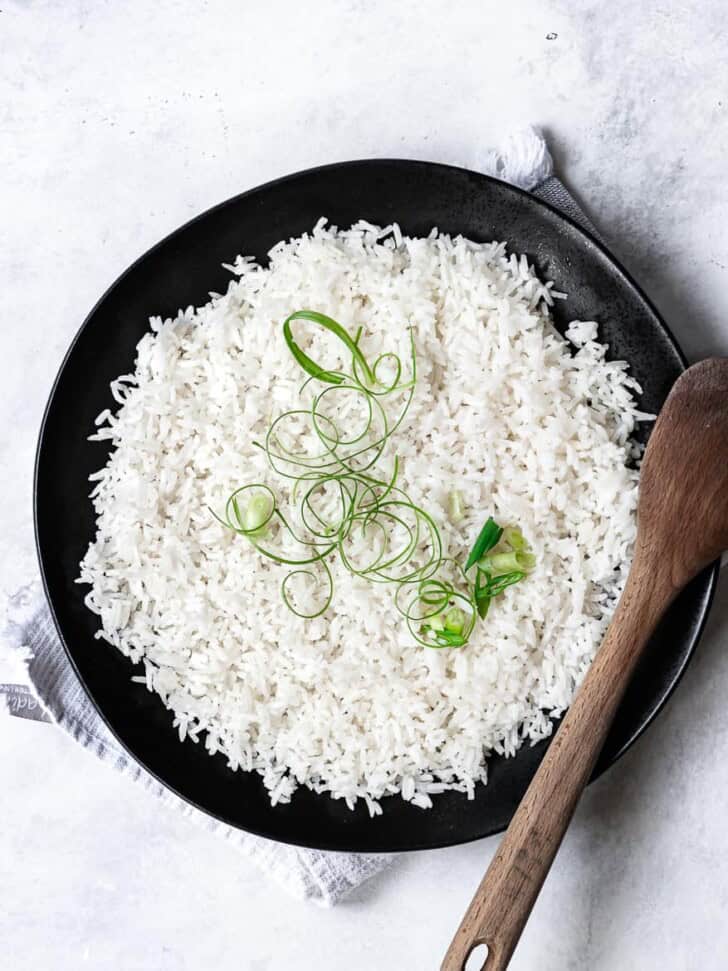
(482, 597)
(455, 506)
(256, 515)
(455, 620)
(447, 638)
(507, 562)
(498, 584)
(513, 537)
(487, 539)
(483, 603)
(447, 631)
(435, 623)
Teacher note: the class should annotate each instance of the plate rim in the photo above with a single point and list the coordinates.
(711, 571)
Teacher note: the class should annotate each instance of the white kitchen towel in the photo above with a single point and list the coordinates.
(49, 689)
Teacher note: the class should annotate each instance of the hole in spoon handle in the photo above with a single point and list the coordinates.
(478, 958)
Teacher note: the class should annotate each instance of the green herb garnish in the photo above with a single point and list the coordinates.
(309, 366)
(513, 537)
(482, 597)
(455, 507)
(506, 562)
(487, 539)
(339, 497)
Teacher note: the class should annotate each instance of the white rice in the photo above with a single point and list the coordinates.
(531, 429)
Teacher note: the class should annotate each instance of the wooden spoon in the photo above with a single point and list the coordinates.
(682, 526)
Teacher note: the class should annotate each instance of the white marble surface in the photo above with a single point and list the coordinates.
(121, 120)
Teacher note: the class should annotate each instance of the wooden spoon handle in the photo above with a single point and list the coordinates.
(501, 906)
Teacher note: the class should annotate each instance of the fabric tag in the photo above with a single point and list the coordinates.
(21, 703)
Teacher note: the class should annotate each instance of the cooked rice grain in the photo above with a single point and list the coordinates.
(531, 428)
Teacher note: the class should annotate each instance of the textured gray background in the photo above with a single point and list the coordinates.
(121, 120)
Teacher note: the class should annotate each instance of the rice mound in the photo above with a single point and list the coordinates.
(532, 428)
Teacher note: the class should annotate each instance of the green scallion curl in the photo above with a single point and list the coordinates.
(339, 500)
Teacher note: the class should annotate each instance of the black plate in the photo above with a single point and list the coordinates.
(180, 271)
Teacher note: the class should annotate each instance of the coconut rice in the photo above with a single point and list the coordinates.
(531, 428)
